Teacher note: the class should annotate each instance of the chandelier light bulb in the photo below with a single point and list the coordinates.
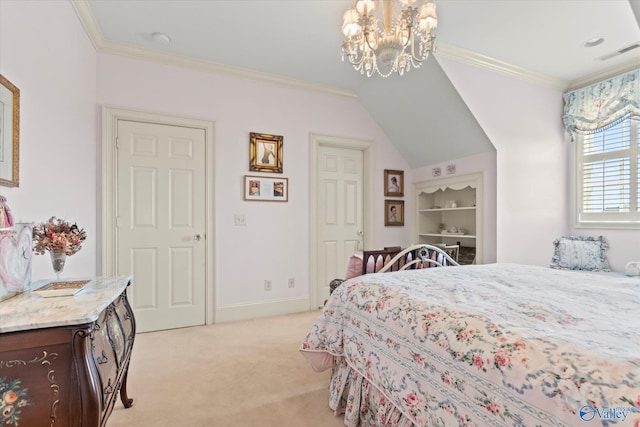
(350, 26)
(366, 7)
(428, 19)
(392, 38)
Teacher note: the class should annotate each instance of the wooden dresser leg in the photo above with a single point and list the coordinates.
(128, 403)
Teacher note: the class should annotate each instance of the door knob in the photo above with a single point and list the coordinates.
(360, 242)
(197, 237)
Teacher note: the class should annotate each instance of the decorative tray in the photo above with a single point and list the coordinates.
(456, 233)
(61, 289)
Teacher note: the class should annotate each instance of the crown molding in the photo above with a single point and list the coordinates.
(88, 21)
(218, 68)
(481, 61)
(598, 77)
(94, 32)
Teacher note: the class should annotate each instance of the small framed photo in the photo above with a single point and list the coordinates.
(394, 212)
(265, 152)
(393, 183)
(266, 189)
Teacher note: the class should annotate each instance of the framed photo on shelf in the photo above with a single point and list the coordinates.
(393, 183)
(394, 212)
(266, 189)
(265, 152)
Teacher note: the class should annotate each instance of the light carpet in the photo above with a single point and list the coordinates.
(241, 374)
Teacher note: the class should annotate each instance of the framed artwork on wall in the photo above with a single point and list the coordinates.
(265, 152)
(393, 183)
(394, 212)
(9, 133)
(261, 188)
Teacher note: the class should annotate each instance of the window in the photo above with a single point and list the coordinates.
(608, 180)
(603, 121)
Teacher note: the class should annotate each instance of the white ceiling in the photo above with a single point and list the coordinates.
(297, 42)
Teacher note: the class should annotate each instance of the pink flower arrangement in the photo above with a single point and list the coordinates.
(57, 235)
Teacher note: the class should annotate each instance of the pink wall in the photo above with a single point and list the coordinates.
(46, 53)
(535, 194)
(277, 234)
(523, 121)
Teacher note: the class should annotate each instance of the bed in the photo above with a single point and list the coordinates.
(481, 345)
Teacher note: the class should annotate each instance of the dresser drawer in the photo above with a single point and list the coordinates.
(104, 349)
(125, 315)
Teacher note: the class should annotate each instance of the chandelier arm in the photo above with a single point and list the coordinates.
(366, 39)
(356, 62)
(414, 57)
(410, 38)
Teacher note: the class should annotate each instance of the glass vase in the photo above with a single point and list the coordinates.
(58, 259)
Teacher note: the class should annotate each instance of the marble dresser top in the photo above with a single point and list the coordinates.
(28, 310)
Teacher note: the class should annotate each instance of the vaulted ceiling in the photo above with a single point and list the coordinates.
(298, 43)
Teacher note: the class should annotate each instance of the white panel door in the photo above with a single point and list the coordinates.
(339, 212)
(161, 222)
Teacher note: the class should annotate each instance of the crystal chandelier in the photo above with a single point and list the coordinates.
(401, 38)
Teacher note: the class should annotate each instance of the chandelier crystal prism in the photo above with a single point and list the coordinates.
(388, 36)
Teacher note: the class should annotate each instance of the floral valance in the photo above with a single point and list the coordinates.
(603, 104)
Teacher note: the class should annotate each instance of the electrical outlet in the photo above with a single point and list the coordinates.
(292, 283)
(240, 219)
(267, 285)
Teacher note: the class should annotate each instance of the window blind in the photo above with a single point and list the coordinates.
(609, 181)
(606, 178)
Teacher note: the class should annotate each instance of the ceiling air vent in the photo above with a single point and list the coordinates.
(621, 51)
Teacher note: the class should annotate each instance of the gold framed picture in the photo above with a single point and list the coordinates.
(394, 212)
(9, 133)
(265, 152)
(393, 183)
(261, 188)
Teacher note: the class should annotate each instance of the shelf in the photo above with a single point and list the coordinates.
(433, 214)
(467, 208)
(450, 236)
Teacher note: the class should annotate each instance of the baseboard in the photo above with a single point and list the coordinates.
(262, 309)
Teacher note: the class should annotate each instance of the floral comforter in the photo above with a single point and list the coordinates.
(482, 345)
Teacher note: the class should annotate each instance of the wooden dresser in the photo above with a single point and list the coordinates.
(64, 360)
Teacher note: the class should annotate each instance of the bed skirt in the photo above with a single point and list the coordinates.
(361, 403)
